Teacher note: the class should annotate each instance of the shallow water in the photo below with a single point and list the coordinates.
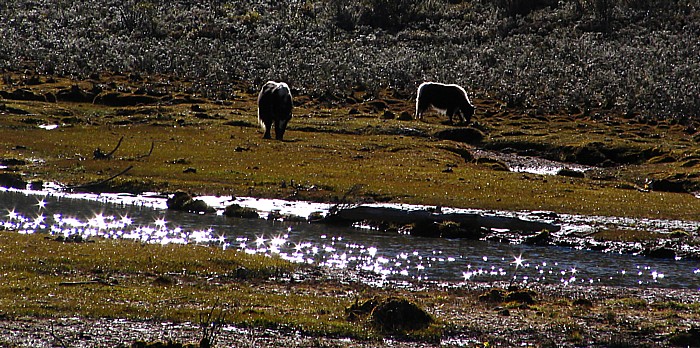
(389, 256)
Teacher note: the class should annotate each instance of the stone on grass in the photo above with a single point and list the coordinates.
(399, 315)
(235, 210)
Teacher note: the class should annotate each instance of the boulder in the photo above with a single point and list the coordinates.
(12, 180)
(235, 210)
(399, 315)
(183, 201)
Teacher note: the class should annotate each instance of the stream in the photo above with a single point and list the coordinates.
(385, 256)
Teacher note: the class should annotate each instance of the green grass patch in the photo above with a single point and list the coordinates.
(122, 279)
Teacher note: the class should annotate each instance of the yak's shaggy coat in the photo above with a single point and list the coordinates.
(274, 106)
(448, 99)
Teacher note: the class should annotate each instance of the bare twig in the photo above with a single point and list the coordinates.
(211, 324)
(100, 182)
(344, 202)
(98, 154)
(86, 282)
(56, 338)
(153, 144)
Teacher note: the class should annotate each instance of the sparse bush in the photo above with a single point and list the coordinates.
(523, 7)
(634, 57)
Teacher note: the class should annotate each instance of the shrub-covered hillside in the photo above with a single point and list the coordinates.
(635, 57)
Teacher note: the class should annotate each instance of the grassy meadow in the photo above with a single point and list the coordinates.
(168, 89)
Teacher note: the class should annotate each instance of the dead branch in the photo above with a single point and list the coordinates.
(211, 324)
(153, 144)
(86, 282)
(101, 182)
(98, 154)
(56, 337)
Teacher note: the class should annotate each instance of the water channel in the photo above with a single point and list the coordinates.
(387, 256)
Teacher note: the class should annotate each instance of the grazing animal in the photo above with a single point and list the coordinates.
(448, 99)
(274, 106)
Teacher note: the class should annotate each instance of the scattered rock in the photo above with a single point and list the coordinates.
(183, 201)
(164, 280)
(388, 115)
(405, 116)
(359, 310)
(12, 162)
(398, 315)
(75, 94)
(543, 238)
(36, 185)
(583, 302)
(493, 296)
(669, 185)
(524, 297)
(660, 253)
(10, 110)
(316, 216)
(22, 94)
(378, 105)
(235, 210)
(493, 164)
(571, 173)
(12, 180)
(689, 338)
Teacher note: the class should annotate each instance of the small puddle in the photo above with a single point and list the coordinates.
(532, 165)
(387, 256)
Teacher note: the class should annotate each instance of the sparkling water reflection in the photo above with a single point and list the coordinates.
(390, 256)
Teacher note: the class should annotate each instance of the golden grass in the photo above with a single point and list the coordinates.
(235, 160)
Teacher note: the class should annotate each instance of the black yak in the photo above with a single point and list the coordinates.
(448, 99)
(274, 105)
